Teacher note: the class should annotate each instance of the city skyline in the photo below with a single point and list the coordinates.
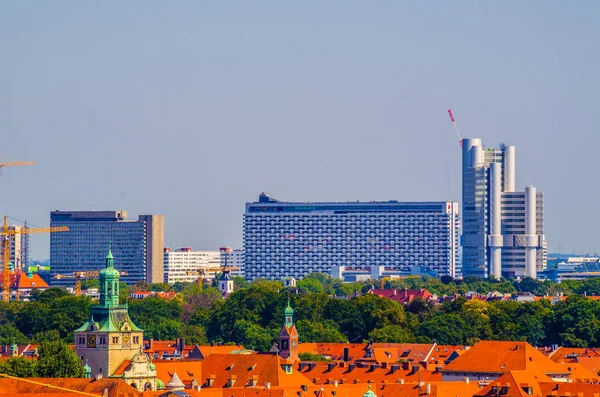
(191, 110)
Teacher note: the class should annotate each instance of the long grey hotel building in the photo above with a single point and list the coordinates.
(297, 238)
(137, 244)
(503, 231)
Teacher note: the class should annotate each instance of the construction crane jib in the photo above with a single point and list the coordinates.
(5, 234)
(455, 127)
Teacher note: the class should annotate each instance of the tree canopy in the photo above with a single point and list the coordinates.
(326, 310)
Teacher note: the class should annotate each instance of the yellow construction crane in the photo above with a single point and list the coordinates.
(78, 276)
(13, 163)
(5, 234)
(202, 272)
(16, 163)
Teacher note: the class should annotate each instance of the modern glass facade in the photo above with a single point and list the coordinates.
(294, 239)
(84, 246)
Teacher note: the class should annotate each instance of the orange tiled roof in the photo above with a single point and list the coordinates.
(572, 389)
(320, 373)
(403, 296)
(572, 354)
(169, 346)
(514, 384)
(259, 367)
(579, 372)
(334, 350)
(21, 387)
(591, 363)
(502, 356)
(414, 352)
(441, 353)
(20, 279)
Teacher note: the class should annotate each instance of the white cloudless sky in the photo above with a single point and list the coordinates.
(192, 108)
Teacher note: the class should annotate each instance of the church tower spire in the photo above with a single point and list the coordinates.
(288, 337)
(108, 337)
(109, 282)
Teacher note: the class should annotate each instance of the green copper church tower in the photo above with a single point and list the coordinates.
(108, 337)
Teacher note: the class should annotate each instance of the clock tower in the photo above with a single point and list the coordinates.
(108, 337)
(288, 337)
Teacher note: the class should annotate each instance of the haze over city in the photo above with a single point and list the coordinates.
(190, 109)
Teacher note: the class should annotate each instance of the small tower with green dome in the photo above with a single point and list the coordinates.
(87, 371)
(14, 349)
(289, 315)
(109, 283)
(369, 393)
(288, 337)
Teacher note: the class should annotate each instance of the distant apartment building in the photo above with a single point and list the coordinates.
(502, 229)
(185, 265)
(137, 245)
(17, 248)
(234, 259)
(294, 239)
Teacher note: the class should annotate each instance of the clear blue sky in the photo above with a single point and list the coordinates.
(191, 108)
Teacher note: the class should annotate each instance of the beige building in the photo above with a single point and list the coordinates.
(155, 238)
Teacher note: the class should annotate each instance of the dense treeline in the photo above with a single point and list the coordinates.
(327, 310)
(54, 360)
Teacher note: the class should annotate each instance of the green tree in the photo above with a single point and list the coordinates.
(123, 292)
(57, 360)
(9, 334)
(239, 282)
(140, 286)
(160, 287)
(260, 303)
(34, 317)
(391, 334)
(446, 329)
(68, 313)
(51, 294)
(348, 289)
(46, 336)
(577, 322)
(90, 283)
(310, 285)
(193, 334)
(19, 366)
(252, 336)
(321, 331)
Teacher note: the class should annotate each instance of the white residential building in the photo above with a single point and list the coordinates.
(185, 265)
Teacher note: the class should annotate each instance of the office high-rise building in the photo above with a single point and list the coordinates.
(502, 228)
(294, 239)
(134, 244)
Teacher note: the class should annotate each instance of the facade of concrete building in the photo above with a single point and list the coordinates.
(16, 248)
(294, 239)
(233, 258)
(133, 242)
(155, 233)
(185, 265)
(502, 228)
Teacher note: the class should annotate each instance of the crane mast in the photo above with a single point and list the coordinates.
(5, 234)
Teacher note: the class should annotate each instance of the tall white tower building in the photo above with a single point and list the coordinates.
(502, 228)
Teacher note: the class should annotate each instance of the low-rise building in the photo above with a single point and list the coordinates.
(185, 265)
